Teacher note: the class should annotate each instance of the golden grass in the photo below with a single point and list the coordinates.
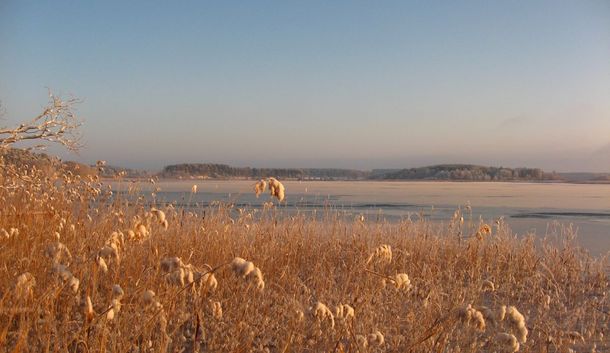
(161, 279)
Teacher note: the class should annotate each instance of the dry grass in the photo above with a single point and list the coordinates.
(167, 280)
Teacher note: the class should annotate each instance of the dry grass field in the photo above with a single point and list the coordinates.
(85, 270)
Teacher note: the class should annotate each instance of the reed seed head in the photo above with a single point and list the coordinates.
(382, 255)
(148, 297)
(242, 267)
(24, 286)
(260, 187)
(276, 189)
(506, 342)
(402, 282)
(217, 310)
(376, 339)
(323, 314)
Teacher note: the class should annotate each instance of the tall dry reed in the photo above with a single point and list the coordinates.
(85, 269)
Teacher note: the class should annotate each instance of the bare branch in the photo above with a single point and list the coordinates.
(57, 123)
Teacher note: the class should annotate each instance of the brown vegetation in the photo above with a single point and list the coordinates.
(84, 270)
(50, 165)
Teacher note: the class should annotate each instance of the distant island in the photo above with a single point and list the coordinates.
(458, 172)
(223, 171)
(202, 171)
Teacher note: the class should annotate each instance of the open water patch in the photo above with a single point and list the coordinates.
(550, 215)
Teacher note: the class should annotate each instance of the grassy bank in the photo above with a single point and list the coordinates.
(84, 271)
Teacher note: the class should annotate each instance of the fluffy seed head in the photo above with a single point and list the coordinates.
(322, 313)
(140, 231)
(109, 252)
(160, 215)
(117, 291)
(189, 273)
(217, 310)
(242, 267)
(506, 342)
(260, 187)
(177, 277)
(62, 271)
(361, 341)
(12, 232)
(74, 284)
(501, 313)
(58, 253)
(24, 286)
(256, 276)
(170, 264)
(517, 322)
(478, 319)
(488, 314)
(376, 339)
(381, 254)
(470, 316)
(209, 281)
(67, 276)
(344, 312)
(116, 240)
(276, 189)
(148, 297)
(402, 281)
(101, 263)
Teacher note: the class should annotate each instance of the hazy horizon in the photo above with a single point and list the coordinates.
(338, 85)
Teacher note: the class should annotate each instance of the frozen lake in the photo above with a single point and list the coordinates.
(527, 207)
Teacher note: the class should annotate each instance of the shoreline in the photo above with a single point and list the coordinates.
(146, 180)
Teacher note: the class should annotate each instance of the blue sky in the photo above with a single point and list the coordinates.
(331, 84)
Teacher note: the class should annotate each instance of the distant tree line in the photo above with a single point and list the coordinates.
(464, 172)
(459, 172)
(437, 172)
(210, 170)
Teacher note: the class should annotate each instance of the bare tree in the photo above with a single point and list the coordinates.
(58, 123)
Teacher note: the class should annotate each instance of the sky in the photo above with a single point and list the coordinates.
(348, 84)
